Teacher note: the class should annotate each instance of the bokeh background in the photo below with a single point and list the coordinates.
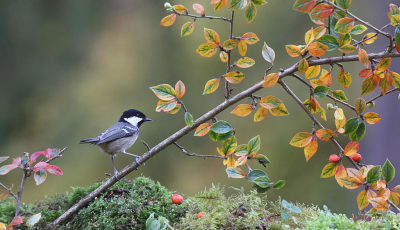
(68, 69)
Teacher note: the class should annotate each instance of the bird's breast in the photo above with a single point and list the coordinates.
(118, 145)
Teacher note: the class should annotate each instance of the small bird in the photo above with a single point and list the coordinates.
(120, 136)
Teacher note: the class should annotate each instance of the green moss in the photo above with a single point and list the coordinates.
(128, 204)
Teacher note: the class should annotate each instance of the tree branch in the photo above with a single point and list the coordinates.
(201, 16)
(207, 116)
(381, 95)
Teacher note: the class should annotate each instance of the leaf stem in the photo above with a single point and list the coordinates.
(196, 155)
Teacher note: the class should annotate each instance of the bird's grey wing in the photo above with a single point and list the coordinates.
(117, 131)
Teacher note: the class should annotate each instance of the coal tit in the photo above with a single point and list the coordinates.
(120, 136)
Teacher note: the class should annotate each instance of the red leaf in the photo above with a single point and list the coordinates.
(54, 170)
(39, 166)
(198, 8)
(35, 155)
(7, 168)
(365, 72)
(17, 220)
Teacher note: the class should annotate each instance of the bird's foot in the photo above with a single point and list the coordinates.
(115, 174)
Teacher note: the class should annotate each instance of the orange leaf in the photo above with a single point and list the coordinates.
(370, 194)
(362, 200)
(340, 123)
(271, 80)
(219, 5)
(223, 56)
(322, 11)
(369, 84)
(242, 47)
(340, 172)
(351, 148)
(202, 130)
(187, 28)
(395, 79)
(211, 36)
(293, 51)
(241, 161)
(180, 8)
(211, 86)
(229, 44)
(198, 9)
(355, 173)
(372, 118)
(329, 170)
(303, 65)
(363, 57)
(385, 83)
(316, 82)
(304, 5)
(319, 31)
(180, 89)
(234, 77)
(279, 111)
(270, 102)
(230, 162)
(245, 62)
(311, 148)
(174, 110)
(261, 114)
(347, 49)
(168, 20)
(301, 139)
(360, 105)
(317, 49)
(379, 204)
(325, 134)
(384, 64)
(365, 73)
(207, 49)
(371, 37)
(351, 182)
(242, 110)
(326, 78)
(384, 193)
(250, 38)
(344, 25)
(394, 199)
(313, 71)
(344, 79)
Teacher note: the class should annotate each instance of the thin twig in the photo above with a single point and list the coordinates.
(181, 102)
(57, 155)
(196, 155)
(228, 64)
(381, 95)
(148, 148)
(9, 190)
(201, 16)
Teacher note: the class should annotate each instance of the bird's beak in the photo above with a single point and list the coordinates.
(148, 119)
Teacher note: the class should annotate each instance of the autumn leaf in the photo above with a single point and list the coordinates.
(242, 110)
(317, 49)
(372, 118)
(293, 51)
(211, 86)
(187, 28)
(207, 49)
(271, 80)
(311, 148)
(234, 77)
(168, 20)
(250, 38)
(301, 139)
(202, 130)
(303, 65)
(245, 62)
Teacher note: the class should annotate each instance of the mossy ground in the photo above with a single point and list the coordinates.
(128, 204)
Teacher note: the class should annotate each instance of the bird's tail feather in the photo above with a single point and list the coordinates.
(89, 141)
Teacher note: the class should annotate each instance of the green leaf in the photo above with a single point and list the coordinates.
(221, 127)
(351, 125)
(339, 94)
(304, 5)
(261, 190)
(250, 12)
(358, 135)
(189, 119)
(321, 91)
(229, 146)
(334, 21)
(345, 4)
(253, 174)
(279, 184)
(235, 172)
(268, 53)
(254, 145)
(358, 29)
(397, 36)
(344, 25)
(34, 219)
(262, 160)
(237, 5)
(221, 137)
(374, 175)
(259, 2)
(388, 171)
(329, 41)
(284, 215)
(164, 92)
(262, 181)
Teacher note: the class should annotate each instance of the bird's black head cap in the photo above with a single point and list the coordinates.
(133, 116)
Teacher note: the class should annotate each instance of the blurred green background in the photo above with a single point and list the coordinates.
(68, 69)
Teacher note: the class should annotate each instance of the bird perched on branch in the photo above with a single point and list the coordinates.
(120, 136)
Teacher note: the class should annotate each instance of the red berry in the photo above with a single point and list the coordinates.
(200, 215)
(356, 157)
(334, 158)
(177, 199)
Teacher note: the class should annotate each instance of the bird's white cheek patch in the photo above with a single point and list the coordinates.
(133, 120)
